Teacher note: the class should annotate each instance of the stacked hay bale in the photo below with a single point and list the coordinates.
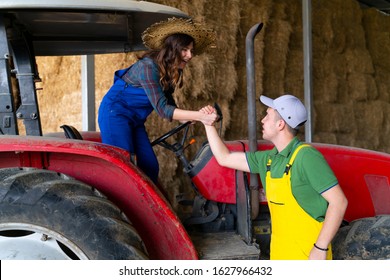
(351, 85)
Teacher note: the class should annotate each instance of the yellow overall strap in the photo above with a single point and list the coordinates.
(292, 159)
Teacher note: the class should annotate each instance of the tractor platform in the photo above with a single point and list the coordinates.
(223, 246)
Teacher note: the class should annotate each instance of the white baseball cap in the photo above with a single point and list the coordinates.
(289, 107)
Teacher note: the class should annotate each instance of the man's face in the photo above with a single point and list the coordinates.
(270, 124)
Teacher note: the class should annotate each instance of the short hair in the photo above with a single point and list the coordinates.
(293, 131)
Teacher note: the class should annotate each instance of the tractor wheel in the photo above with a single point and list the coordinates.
(363, 239)
(47, 215)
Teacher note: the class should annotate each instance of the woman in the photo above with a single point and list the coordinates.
(148, 85)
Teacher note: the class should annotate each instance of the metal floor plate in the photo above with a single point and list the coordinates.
(223, 246)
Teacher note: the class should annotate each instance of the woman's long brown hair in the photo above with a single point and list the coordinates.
(169, 58)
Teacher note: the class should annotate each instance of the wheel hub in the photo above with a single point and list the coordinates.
(31, 242)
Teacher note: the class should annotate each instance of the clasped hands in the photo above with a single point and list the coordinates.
(210, 115)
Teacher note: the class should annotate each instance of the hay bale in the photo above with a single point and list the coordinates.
(327, 88)
(57, 89)
(362, 87)
(377, 27)
(339, 118)
(328, 137)
(369, 118)
(358, 60)
(351, 51)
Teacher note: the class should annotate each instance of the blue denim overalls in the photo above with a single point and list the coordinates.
(122, 115)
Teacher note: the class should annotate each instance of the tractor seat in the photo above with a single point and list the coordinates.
(71, 132)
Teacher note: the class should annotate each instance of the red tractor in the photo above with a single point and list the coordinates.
(75, 198)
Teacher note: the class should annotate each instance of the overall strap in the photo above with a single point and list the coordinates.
(119, 73)
(269, 164)
(291, 161)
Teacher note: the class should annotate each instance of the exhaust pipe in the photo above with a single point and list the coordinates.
(251, 99)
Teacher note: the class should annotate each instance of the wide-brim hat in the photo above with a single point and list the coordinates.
(154, 36)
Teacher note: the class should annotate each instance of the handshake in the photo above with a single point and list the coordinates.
(211, 114)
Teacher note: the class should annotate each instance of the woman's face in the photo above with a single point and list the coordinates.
(186, 55)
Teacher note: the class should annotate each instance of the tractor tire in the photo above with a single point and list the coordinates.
(47, 215)
(363, 239)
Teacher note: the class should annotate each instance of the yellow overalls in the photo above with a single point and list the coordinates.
(293, 230)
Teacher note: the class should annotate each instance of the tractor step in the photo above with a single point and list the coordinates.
(223, 246)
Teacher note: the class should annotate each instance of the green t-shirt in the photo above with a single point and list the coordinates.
(310, 175)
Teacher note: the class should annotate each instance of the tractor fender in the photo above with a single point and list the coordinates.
(109, 170)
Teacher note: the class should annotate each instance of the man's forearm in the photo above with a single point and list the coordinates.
(235, 160)
(217, 146)
(333, 217)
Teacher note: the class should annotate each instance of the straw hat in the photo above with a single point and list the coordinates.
(155, 35)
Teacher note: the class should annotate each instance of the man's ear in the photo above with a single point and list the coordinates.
(281, 124)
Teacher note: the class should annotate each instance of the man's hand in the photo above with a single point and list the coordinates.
(210, 115)
(317, 254)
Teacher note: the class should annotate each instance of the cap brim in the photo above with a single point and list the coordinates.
(267, 101)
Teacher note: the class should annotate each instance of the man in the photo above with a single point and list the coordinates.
(305, 200)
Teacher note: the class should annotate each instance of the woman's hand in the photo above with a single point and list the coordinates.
(209, 115)
(208, 110)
